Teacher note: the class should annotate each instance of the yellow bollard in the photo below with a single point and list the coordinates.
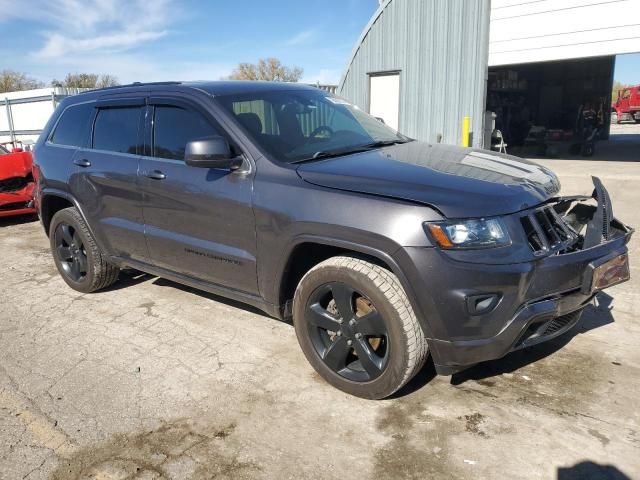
(466, 126)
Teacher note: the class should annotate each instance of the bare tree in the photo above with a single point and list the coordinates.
(617, 86)
(12, 81)
(86, 80)
(266, 69)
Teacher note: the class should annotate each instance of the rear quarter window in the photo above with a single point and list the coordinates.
(74, 127)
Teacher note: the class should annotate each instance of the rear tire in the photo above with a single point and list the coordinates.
(356, 326)
(77, 256)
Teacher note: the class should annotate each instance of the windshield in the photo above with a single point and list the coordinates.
(302, 125)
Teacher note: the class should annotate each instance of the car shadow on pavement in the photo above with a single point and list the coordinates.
(423, 377)
(594, 316)
(163, 282)
(17, 220)
(588, 470)
(128, 278)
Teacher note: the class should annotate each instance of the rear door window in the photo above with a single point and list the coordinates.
(174, 127)
(74, 126)
(118, 130)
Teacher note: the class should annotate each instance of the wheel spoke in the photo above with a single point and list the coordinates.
(64, 253)
(335, 356)
(75, 269)
(320, 317)
(77, 240)
(368, 359)
(343, 295)
(82, 263)
(66, 234)
(372, 324)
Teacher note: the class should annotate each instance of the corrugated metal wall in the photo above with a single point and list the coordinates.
(441, 49)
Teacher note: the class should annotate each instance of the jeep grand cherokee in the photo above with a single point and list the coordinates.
(383, 249)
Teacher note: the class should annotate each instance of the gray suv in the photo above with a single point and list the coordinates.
(383, 250)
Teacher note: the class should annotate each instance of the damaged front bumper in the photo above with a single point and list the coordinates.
(17, 202)
(565, 252)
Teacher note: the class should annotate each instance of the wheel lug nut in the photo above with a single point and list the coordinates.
(352, 322)
(349, 342)
(340, 321)
(358, 335)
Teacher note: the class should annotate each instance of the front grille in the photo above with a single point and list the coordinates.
(537, 331)
(546, 231)
(557, 324)
(14, 183)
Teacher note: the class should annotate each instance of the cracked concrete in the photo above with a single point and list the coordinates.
(154, 380)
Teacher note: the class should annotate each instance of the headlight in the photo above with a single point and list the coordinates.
(477, 233)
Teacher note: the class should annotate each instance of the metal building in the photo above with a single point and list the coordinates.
(422, 67)
(538, 65)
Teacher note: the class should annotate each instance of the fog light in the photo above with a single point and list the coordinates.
(482, 304)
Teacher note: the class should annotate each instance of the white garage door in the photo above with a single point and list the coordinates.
(384, 97)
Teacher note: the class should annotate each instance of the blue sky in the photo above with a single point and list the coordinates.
(628, 69)
(150, 40)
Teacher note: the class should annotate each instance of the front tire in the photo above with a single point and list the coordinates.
(356, 326)
(77, 256)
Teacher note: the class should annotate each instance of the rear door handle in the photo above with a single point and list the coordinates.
(156, 175)
(83, 162)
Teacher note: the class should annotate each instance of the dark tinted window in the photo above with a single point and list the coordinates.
(116, 130)
(174, 127)
(74, 127)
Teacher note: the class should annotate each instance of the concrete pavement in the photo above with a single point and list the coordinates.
(154, 380)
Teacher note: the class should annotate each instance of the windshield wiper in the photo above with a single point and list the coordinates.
(320, 155)
(332, 153)
(385, 143)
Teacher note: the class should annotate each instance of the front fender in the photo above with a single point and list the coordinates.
(388, 259)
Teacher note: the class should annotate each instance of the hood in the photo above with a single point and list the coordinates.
(459, 182)
(16, 164)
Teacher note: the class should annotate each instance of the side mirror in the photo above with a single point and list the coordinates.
(211, 152)
(380, 119)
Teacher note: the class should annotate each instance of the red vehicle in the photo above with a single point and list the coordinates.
(627, 107)
(16, 182)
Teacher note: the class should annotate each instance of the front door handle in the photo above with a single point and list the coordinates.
(156, 175)
(83, 162)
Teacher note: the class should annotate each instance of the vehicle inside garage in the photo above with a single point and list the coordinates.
(552, 109)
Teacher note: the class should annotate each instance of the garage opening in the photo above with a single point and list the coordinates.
(550, 108)
(561, 109)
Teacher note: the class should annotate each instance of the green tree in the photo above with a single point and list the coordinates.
(86, 80)
(270, 69)
(12, 81)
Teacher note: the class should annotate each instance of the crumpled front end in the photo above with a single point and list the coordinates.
(483, 304)
(16, 184)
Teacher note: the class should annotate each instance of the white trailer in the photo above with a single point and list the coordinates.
(24, 114)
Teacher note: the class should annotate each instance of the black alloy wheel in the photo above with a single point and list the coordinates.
(347, 332)
(71, 252)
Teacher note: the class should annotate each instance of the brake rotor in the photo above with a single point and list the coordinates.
(364, 307)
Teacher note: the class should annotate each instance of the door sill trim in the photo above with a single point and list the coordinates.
(226, 292)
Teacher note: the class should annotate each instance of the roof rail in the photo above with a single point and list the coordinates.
(135, 84)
